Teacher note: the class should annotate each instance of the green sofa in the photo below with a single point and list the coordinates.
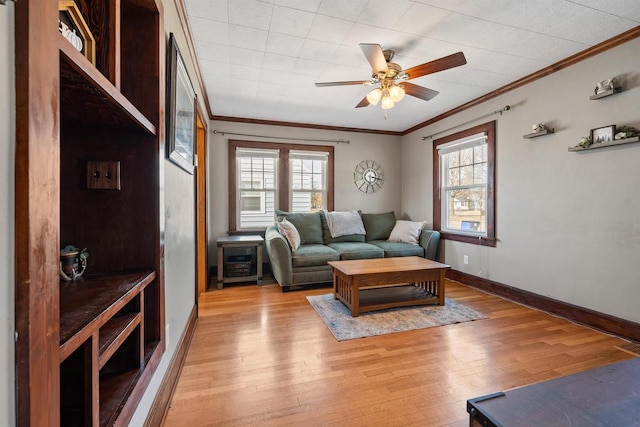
(308, 263)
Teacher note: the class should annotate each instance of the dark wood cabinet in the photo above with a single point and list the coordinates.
(91, 344)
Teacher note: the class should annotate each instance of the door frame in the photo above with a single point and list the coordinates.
(201, 260)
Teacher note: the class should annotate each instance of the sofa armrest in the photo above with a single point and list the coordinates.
(430, 241)
(279, 254)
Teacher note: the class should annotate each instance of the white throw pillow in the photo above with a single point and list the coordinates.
(406, 231)
(344, 223)
(288, 230)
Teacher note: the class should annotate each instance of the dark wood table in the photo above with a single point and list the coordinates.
(375, 284)
(606, 396)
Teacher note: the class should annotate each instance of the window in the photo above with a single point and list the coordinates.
(308, 181)
(264, 177)
(257, 175)
(464, 202)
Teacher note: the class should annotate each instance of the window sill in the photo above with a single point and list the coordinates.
(473, 240)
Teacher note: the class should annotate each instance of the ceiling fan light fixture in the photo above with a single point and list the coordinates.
(374, 96)
(387, 102)
(396, 93)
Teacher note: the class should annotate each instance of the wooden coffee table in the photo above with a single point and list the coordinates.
(375, 284)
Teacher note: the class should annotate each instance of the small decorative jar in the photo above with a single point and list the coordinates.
(73, 262)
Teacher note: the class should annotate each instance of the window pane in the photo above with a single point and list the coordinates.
(454, 177)
(466, 156)
(257, 173)
(307, 174)
(465, 210)
(480, 173)
(480, 153)
(454, 159)
(251, 201)
(466, 175)
(260, 208)
(307, 201)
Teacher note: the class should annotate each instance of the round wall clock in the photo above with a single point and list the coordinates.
(368, 176)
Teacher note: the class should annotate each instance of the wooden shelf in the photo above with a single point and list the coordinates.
(113, 334)
(537, 134)
(102, 103)
(605, 93)
(115, 388)
(86, 304)
(606, 144)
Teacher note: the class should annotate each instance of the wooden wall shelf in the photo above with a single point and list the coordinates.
(606, 144)
(87, 304)
(606, 93)
(537, 134)
(104, 105)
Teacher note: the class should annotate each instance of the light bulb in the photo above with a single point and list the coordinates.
(374, 96)
(387, 102)
(396, 93)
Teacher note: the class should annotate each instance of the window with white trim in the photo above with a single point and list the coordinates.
(308, 181)
(464, 185)
(257, 175)
(265, 177)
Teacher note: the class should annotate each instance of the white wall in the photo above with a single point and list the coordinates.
(179, 238)
(384, 149)
(568, 223)
(7, 206)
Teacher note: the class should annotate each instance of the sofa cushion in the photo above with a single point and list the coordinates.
(378, 226)
(344, 223)
(307, 223)
(406, 231)
(326, 234)
(313, 255)
(353, 250)
(395, 249)
(288, 230)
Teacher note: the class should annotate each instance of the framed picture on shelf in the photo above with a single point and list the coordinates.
(181, 110)
(603, 134)
(74, 28)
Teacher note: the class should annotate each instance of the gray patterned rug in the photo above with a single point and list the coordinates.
(338, 318)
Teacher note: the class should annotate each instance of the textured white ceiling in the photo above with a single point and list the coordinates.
(260, 58)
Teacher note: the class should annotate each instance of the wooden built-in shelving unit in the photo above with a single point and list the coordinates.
(99, 338)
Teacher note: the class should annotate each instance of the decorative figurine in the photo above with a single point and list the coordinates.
(605, 85)
(73, 262)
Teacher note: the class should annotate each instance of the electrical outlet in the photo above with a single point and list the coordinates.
(465, 259)
(103, 175)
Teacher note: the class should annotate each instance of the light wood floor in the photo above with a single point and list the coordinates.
(263, 357)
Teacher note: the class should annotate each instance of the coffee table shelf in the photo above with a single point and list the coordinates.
(402, 295)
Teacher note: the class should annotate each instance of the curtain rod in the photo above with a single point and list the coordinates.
(337, 141)
(500, 111)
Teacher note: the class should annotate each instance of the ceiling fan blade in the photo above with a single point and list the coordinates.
(441, 64)
(419, 91)
(363, 103)
(373, 53)
(354, 82)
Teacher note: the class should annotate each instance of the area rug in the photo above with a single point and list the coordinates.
(338, 318)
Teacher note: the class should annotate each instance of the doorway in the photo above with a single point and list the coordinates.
(201, 206)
